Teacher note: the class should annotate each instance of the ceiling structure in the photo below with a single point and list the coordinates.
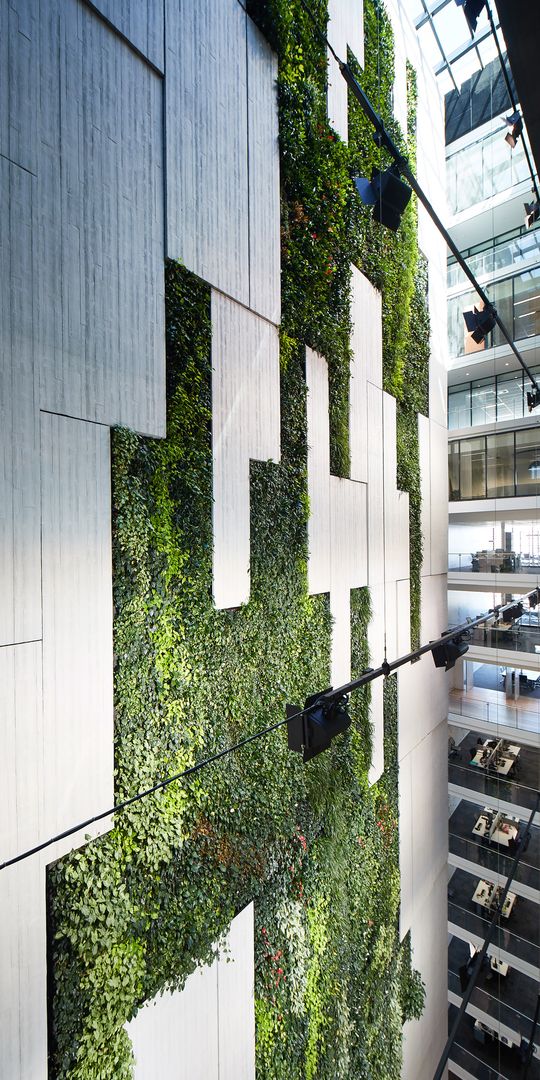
(522, 35)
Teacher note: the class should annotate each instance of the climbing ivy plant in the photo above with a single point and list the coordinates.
(314, 846)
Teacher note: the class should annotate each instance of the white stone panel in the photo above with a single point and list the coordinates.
(245, 426)
(424, 1039)
(77, 621)
(21, 749)
(376, 656)
(20, 574)
(207, 161)
(263, 167)
(345, 28)
(423, 809)
(439, 498)
(366, 366)
(207, 1030)
(396, 503)
(375, 486)
(18, 82)
(423, 688)
(141, 23)
(23, 973)
(236, 1001)
(403, 610)
(424, 453)
(318, 466)
(100, 248)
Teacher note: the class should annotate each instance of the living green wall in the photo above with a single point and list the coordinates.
(313, 846)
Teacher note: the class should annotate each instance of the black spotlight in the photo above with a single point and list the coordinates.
(446, 654)
(387, 193)
(471, 10)
(514, 612)
(533, 399)
(480, 322)
(534, 598)
(532, 213)
(515, 123)
(312, 732)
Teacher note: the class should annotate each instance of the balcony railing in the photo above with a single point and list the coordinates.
(493, 562)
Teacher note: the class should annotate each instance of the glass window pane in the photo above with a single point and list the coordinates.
(459, 406)
(453, 471)
(459, 341)
(501, 295)
(528, 462)
(527, 304)
(472, 468)
(500, 465)
(483, 401)
(510, 397)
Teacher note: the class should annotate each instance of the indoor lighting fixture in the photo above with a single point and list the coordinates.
(446, 654)
(471, 10)
(533, 399)
(532, 213)
(534, 598)
(515, 123)
(387, 193)
(480, 321)
(312, 731)
(534, 470)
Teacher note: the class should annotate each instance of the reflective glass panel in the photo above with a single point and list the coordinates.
(528, 462)
(472, 468)
(459, 406)
(500, 465)
(527, 304)
(453, 471)
(483, 401)
(510, 397)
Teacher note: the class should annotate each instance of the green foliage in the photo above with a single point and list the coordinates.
(314, 846)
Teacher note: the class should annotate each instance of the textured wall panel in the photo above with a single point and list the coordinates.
(366, 366)
(245, 425)
(207, 1030)
(439, 498)
(319, 577)
(236, 999)
(77, 620)
(23, 973)
(21, 749)
(20, 575)
(376, 656)
(424, 452)
(345, 27)
(19, 82)
(207, 162)
(424, 1039)
(375, 486)
(263, 164)
(141, 23)
(100, 239)
(396, 503)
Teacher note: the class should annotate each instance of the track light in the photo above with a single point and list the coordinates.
(534, 598)
(513, 612)
(480, 321)
(471, 10)
(312, 732)
(533, 399)
(446, 654)
(514, 122)
(387, 193)
(532, 213)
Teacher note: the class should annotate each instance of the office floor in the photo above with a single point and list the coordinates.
(521, 791)
(506, 1062)
(524, 921)
(515, 990)
(488, 677)
(462, 843)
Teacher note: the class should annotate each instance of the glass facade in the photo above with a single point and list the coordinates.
(482, 169)
(517, 300)
(515, 249)
(484, 401)
(495, 466)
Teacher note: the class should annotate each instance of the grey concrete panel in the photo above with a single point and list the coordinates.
(263, 157)
(18, 81)
(100, 238)
(141, 23)
(77, 620)
(206, 124)
(20, 573)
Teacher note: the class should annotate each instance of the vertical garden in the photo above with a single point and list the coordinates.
(313, 846)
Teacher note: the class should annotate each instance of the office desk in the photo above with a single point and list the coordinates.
(500, 828)
(498, 756)
(499, 966)
(487, 894)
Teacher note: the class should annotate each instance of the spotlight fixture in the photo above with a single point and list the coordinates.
(446, 654)
(532, 213)
(515, 123)
(533, 399)
(471, 10)
(480, 321)
(534, 598)
(513, 612)
(387, 193)
(312, 732)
